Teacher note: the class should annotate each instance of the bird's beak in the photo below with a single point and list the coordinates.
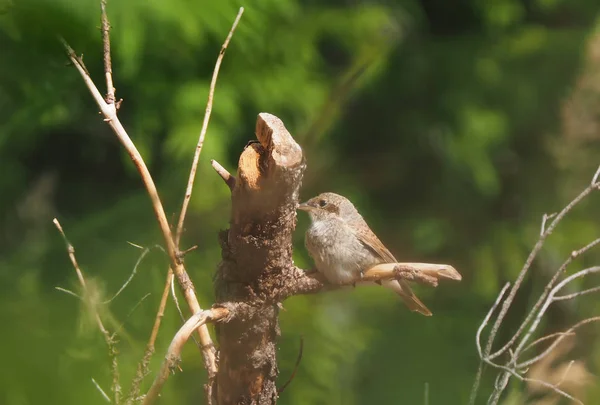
(305, 207)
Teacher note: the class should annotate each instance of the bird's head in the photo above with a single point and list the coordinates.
(329, 206)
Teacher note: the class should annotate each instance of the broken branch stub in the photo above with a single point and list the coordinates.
(257, 250)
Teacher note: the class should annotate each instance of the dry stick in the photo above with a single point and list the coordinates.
(110, 89)
(227, 177)
(549, 301)
(543, 296)
(131, 276)
(521, 347)
(561, 337)
(209, 103)
(142, 369)
(507, 303)
(99, 388)
(172, 358)
(502, 380)
(479, 373)
(109, 112)
(500, 387)
(108, 338)
(538, 246)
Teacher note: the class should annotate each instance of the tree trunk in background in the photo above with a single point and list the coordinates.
(256, 250)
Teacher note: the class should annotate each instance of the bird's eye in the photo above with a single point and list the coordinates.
(322, 203)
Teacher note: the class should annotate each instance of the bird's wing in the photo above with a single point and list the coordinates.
(372, 242)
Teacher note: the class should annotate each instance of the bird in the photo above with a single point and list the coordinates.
(343, 246)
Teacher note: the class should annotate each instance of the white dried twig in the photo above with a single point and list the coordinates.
(519, 341)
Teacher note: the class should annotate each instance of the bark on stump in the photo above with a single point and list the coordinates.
(257, 259)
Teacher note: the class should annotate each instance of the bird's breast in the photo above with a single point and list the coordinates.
(337, 252)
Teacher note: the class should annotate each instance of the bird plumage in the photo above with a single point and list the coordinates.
(343, 246)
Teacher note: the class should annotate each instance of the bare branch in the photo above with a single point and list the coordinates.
(545, 218)
(142, 369)
(110, 89)
(555, 343)
(68, 292)
(547, 337)
(110, 116)
(550, 300)
(543, 296)
(172, 358)
(538, 246)
(213, 83)
(225, 175)
(131, 276)
(475, 388)
(108, 338)
(576, 294)
(104, 395)
(500, 387)
(534, 316)
(487, 318)
(595, 178)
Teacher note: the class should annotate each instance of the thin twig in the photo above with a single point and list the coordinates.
(475, 388)
(543, 296)
(110, 89)
(487, 318)
(559, 382)
(68, 292)
(176, 301)
(576, 294)
(496, 395)
(131, 276)
(298, 360)
(547, 337)
(545, 218)
(227, 177)
(535, 314)
(550, 300)
(102, 392)
(142, 369)
(109, 339)
(595, 178)
(110, 116)
(513, 292)
(172, 357)
(555, 343)
(207, 113)
(131, 311)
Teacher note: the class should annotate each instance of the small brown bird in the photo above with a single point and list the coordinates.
(343, 246)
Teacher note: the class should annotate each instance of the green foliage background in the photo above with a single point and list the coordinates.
(453, 125)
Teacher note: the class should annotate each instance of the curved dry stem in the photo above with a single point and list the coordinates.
(142, 369)
(109, 112)
(543, 296)
(475, 388)
(549, 301)
(172, 357)
(555, 343)
(109, 338)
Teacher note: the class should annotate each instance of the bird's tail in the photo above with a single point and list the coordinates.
(408, 296)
